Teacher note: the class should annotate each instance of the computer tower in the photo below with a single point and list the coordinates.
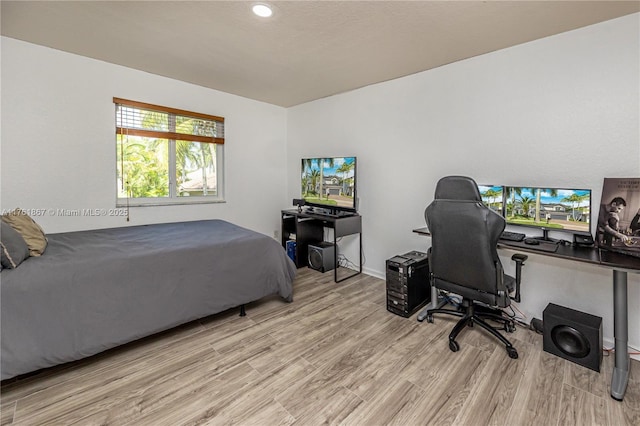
(321, 256)
(408, 287)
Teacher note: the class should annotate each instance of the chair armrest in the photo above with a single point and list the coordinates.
(519, 259)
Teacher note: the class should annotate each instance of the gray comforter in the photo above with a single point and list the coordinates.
(94, 290)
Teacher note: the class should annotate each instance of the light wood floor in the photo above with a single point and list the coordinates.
(333, 356)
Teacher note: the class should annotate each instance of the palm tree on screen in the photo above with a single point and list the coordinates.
(307, 164)
(526, 203)
(324, 162)
(314, 176)
(552, 192)
(307, 172)
(344, 169)
(512, 191)
(491, 195)
(575, 201)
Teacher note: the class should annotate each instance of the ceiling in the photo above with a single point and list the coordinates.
(307, 50)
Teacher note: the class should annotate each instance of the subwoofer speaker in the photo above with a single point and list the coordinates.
(573, 335)
(321, 256)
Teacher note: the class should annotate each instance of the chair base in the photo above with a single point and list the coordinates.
(469, 317)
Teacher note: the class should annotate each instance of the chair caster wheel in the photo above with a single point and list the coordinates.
(455, 347)
(510, 327)
(430, 318)
(512, 352)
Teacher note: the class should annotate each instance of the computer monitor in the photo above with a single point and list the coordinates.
(329, 183)
(492, 197)
(549, 209)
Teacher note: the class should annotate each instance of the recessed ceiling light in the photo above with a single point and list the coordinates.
(262, 10)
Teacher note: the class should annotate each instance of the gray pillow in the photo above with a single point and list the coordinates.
(13, 248)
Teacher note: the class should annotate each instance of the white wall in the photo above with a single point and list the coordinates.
(58, 142)
(558, 112)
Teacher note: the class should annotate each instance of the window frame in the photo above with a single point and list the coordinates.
(171, 137)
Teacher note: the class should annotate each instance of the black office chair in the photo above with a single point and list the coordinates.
(463, 259)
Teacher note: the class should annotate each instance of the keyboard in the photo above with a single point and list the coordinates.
(512, 236)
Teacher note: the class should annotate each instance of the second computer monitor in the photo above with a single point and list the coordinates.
(550, 209)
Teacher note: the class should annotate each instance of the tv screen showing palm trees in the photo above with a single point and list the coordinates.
(329, 182)
(549, 208)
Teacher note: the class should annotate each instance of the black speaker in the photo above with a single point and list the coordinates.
(321, 256)
(573, 335)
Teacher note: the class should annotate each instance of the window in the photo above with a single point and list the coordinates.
(167, 155)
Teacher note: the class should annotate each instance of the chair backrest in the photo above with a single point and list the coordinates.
(464, 235)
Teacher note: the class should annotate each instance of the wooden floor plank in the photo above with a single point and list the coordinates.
(537, 399)
(445, 394)
(579, 407)
(496, 391)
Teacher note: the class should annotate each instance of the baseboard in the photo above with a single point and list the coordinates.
(374, 273)
(609, 343)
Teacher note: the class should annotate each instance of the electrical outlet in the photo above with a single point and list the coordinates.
(276, 234)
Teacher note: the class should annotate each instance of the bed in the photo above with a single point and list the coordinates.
(94, 290)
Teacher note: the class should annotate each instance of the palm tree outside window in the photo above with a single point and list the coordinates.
(166, 155)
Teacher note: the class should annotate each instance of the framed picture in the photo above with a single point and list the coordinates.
(619, 216)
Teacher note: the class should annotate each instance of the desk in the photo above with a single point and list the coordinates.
(620, 264)
(308, 228)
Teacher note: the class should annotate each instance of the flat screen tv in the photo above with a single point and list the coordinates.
(329, 183)
(549, 209)
(492, 197)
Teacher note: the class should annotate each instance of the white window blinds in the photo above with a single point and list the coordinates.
(141, 119)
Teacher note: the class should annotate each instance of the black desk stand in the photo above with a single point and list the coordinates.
(620, 264)
(308, 228)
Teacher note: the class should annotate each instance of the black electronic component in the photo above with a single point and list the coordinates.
(321, 256)
(583, 240)
(408, 286)
(573, 335)
(512, 236)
